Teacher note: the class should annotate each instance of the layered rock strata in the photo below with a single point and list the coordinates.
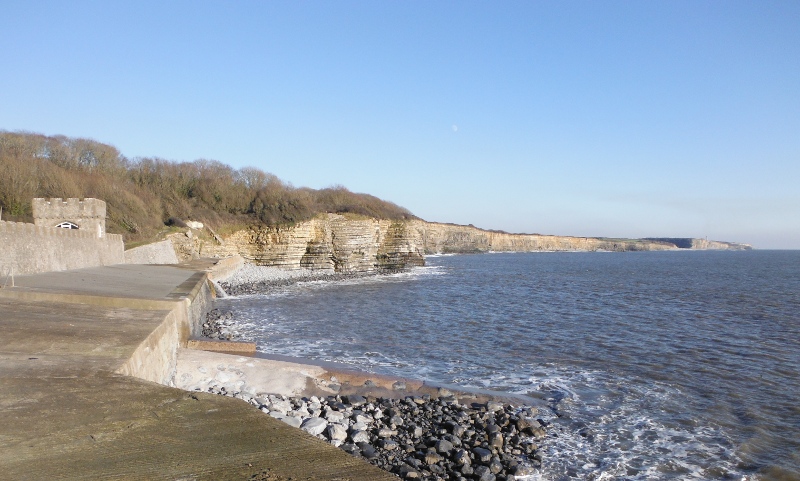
(329, 243)
(344, 243)
(702, 244)
(449, 238)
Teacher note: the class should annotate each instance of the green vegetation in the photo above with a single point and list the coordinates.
(145, 195)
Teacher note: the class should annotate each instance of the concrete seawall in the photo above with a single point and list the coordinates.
(155, 253)
(28, 249)
(155, 359)
(86, 362)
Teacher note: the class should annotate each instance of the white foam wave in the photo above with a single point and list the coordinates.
(602, 426)
(401, 276)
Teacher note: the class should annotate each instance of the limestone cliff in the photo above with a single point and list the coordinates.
(346, 243)
(332, 242)
(449, 238)
(703, 244)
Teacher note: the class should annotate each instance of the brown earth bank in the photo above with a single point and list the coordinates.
(350, 243)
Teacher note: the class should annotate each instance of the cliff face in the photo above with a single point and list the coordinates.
(448, 238)
(333, 242)
(355, 244)
(703, 244)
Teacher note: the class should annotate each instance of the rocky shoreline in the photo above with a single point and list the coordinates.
(414, 437)
(219, 325)
(252, 279)
(418, 437)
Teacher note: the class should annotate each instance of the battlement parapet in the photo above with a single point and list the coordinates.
(84, 214)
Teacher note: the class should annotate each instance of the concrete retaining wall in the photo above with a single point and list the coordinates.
(226, 267)
(29, 249)
(200, 304)
(155, 253)
(155, 359)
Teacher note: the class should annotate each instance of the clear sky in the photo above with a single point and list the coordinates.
(596, 118)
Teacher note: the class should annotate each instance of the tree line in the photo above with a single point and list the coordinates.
(143, 195)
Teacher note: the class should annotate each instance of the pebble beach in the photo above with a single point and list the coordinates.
(412, 436)
(251, 279)
(419, 437)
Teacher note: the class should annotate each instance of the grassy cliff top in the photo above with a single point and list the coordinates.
(145, 196)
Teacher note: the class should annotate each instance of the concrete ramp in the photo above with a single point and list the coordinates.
(68, 412)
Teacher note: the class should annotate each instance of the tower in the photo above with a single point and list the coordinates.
(87, 214)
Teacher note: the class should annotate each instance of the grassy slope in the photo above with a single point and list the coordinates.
(145, 196)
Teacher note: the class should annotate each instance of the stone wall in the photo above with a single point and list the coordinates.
(28, 249)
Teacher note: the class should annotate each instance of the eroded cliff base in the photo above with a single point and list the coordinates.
(349, 243)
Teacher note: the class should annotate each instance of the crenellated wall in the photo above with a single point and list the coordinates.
(28, 249)
(88, 214)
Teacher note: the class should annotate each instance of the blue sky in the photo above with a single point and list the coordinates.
(578, 118)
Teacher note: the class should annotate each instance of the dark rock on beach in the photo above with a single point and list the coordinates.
(219, 325)
(419, 437)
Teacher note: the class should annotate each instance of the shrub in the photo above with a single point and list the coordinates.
(144, 195)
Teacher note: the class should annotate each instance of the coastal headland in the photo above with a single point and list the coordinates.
(351, 243)
(99, 379)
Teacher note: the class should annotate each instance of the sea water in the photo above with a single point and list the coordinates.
(653, 365)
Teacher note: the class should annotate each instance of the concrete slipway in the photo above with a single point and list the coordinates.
(83, 358)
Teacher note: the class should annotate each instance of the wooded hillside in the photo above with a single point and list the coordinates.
(146, 195)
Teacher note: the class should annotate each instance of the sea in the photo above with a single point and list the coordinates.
(646, 365)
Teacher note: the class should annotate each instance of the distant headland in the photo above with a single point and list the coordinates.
(207, 208)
